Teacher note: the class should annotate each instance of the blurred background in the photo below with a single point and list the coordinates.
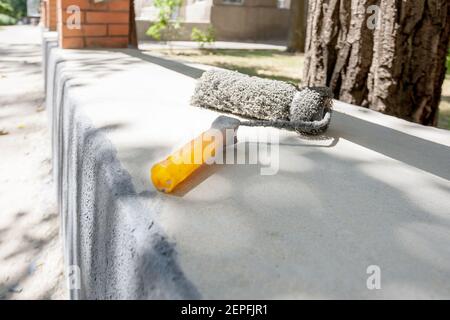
(217, 32)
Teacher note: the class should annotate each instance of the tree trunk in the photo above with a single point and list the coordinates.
(132, 36)
(396, 65)
(297, 31)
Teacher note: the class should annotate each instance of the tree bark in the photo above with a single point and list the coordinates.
(297, 31)
(397, 68)
(132, 36)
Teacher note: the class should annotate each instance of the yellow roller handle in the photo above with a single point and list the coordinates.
(169, 173)
(173, 170)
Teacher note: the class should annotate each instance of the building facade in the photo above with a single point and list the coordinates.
(244, 20)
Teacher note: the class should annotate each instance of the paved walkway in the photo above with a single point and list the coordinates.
(30, 250)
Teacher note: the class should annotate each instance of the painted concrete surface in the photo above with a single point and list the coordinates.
(374, 191)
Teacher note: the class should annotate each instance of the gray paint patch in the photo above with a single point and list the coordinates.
(121, 251)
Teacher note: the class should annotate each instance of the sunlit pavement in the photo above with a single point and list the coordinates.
(30, 250)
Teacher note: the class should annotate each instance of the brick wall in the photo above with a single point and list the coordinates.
(51, 14)
(43, 20)
(104, 24)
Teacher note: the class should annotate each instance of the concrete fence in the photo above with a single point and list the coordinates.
(373, 191)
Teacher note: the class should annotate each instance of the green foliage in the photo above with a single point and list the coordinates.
(14, 8)
(11, 10)
(202, 37)
(5, 8)
(448, 62)
(6, 20)
(166, 10)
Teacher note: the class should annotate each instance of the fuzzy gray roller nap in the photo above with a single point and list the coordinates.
(267, 103)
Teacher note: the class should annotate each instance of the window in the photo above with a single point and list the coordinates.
(284, 4)
(233, 1)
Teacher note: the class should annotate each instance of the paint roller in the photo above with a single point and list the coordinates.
(262, 102)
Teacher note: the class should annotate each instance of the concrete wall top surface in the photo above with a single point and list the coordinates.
(374, 191)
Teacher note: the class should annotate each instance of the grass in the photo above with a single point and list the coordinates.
(271, 64)
(448, 64)
(6, 20)
(444, 107)
(279, 65)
